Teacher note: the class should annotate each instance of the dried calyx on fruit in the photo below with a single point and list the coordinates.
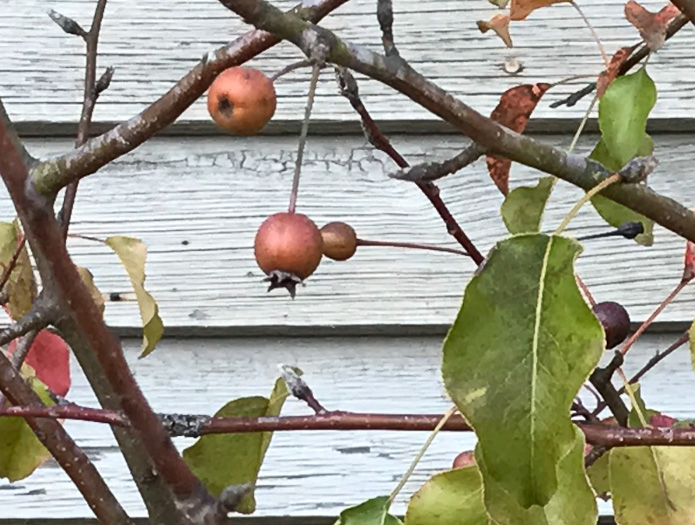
(288, 248)
(615, 321)
(339, 241)
(242, 100)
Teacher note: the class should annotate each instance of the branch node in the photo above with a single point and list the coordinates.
(384, 14)
(231, 497)
(638, 169)
(184, 425)
(299, 389)
(67, 24)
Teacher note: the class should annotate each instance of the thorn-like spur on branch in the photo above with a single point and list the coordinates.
(67, 24)
(628, 230)
(384, 14)
(348, 89)
(494, 137)
(54, 174)
(431, 171)
(299, 389)
(642, 51)
(64, 450)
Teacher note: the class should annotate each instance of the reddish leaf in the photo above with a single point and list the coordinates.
(500, 25)
(513, 111)
(689, 263)
(611, 72)
(662, 420)
(49, 356)
(520, 9)
(651, 26)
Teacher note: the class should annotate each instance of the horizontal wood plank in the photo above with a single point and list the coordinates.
(197, 203)
(152, 45)
(313, 473)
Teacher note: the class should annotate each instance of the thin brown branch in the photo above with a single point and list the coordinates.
(687, 7)
(10, 136)
(495, 138)
(54, 174)
(12, 264)
(431, 171)
(90, 95)
(642, 51)
(40, 316)
(601, 380)
(350, 90)
(22, 350)
(638, 333)
(197, 425)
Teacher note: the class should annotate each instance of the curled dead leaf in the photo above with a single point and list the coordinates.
(500, 25)
(651, 26)
(611, 72)
(88, 280)
(520, 9)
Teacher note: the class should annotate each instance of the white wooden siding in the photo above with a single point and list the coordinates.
(313, 472)
(152, 44)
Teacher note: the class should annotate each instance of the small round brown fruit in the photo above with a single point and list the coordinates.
(242, 100)
(290, 243)
(464, 459)
(615, 321)
(339, 241)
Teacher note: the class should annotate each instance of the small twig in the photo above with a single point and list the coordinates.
(638, 333)
(384, 14)
(300, 389)
(91, 93)
(11, 265)
(302, 137)
(604, 56)
(22, 349)
(431, 171)
(41, 315)
(594, 455)
(290, 67)
(601, 379)
(413, 245)
(581, 410)
(349, 89)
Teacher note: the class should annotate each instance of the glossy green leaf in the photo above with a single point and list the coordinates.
(133, 253)
(653, 485)
(573, 503)
(21, 453)
(616, 214)
(221, 460)
(522, 209)
(372, 512)
(623, 112)
(454, 497)
(22, 285)
(522, 345)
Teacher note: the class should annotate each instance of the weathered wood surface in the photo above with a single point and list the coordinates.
(152, 44)
(198, 202)
(317, 472)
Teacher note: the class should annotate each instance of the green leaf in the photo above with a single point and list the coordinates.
(372, 512)
(616, 214)
(598, 476)
(522, 345)
(634, 419)
(454, 497)
(22, 285)
(653, 485)
(523, 208)
(221, 460)
(21, 453)
(623, 112)
(133, 253)
(572, 504)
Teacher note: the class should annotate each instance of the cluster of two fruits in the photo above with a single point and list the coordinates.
(288, 246)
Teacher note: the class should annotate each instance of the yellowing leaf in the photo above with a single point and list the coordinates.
(22, 285)
(21, 453)
(522, 8)
(521, 347)
(88, 280)
(221, 460)
(500, 25)
(133, 253)
(454, 497)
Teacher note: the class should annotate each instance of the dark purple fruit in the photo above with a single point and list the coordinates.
(615, 321)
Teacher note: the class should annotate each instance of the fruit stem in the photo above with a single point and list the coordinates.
(413, 245)
(302, 137)
(289, 68)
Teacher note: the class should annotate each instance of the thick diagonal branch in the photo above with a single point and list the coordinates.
(495, 138)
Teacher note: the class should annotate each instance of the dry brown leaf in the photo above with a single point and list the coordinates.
(651, 26)
(520, 9)
(611, 72)
(500, 25)
(513, 111)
